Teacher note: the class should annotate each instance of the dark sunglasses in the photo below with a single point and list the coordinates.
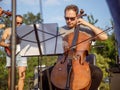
(19, 22)
(70, 18)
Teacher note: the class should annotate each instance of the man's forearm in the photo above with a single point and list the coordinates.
(3, 44)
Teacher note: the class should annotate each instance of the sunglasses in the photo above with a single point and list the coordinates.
(19, 22)
(70, 18)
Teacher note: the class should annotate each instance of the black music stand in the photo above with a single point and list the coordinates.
(40, 40)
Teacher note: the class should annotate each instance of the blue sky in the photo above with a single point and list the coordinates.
(53, 10)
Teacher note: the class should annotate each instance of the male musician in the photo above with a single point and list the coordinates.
(21, 62)
(72, 20)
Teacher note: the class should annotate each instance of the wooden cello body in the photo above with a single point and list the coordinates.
(78, 77)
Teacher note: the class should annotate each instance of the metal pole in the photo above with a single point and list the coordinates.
(13, 45)
(40, 57)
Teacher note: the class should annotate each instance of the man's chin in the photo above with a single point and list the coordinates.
(70, 26)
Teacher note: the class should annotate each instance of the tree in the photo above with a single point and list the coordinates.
(6, 20)
(3, 71)
(92, 20)
(105, 54)
(30, 18)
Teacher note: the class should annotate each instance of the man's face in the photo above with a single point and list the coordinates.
(19, 21)
(71, 18)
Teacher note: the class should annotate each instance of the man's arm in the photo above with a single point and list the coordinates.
(3, 44)
(96, 30)
(4, 37)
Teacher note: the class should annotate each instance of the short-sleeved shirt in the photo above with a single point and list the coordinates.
(65, 30)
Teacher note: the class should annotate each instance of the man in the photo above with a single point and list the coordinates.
(72, 20)
(21, 62)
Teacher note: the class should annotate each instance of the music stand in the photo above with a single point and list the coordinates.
(40, 40)
(50, 39)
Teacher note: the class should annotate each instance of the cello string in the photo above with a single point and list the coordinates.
(91, 38)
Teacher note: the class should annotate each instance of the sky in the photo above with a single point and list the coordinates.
(53, 10)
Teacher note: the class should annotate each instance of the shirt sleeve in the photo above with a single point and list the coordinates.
(87, 30)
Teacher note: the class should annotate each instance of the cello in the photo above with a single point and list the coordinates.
(72, 72)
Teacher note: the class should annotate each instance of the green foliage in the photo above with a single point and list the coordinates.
(32, 63)
(108, 49)
(6, 20)
(3, 71)
(35, 61)
(91, 19)
(106, 53)
(30, 18)
(103, 64)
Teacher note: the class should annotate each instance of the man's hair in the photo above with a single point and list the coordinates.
(72, 7)
(19, 16)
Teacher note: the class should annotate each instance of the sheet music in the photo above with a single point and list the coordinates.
(49, 37)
